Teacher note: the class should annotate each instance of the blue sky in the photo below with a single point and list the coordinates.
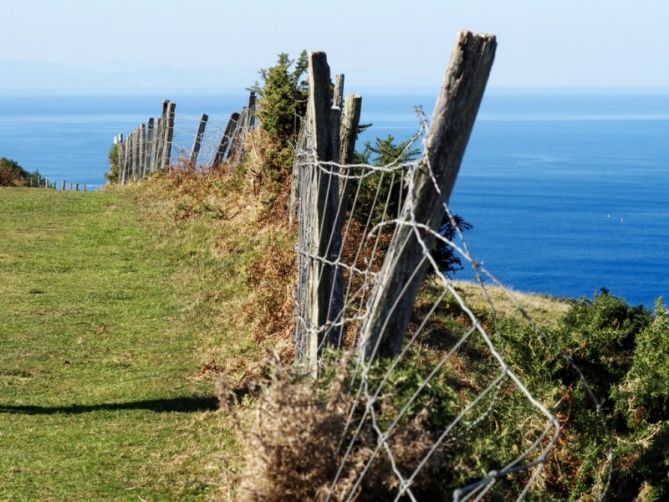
(218, 45)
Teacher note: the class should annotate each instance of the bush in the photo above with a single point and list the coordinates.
(644, 394)
(283, 96)
(114, 157)
(12, 174)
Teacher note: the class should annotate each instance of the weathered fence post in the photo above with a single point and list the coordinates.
(62, 188)
(225, 140)
(405, 263)
(169, 134)
(150, 146)
(319, 242)
(135, 153)
(252, 109)
(348, 135)
(338, 94)
(195, 152)
(236, 142)
(142, 150)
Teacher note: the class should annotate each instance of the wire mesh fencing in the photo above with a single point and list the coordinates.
(183, 140)
(430, 389)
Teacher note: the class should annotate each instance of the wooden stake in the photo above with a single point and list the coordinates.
(405, 263)
(195, 152)
(225, 139)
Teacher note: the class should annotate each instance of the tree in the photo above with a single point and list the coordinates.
(383, 186)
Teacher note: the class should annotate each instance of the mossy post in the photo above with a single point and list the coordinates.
(319, 305)
(405, 263)
(197, 143)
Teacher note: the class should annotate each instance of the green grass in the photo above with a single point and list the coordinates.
(101, 336)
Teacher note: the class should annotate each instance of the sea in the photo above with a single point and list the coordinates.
(567, 191)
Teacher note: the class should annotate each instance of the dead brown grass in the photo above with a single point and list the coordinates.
(292, 446)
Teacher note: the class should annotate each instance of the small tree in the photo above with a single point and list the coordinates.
(283, 97)
(114, 157)
(283, 94)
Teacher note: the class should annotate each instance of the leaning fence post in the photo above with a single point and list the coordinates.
(195, 152)
(405, 263)
(225, 140)
(319, 242)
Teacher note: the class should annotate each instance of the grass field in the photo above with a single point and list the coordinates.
(101, 339)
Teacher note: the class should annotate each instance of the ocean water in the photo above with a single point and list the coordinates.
(568, 193)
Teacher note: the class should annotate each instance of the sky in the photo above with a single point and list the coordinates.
(219, 45)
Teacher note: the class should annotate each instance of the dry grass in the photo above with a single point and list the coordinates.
(292, 445)
(544, 310)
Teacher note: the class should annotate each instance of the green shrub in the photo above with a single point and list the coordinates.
(601, 334)
(644, 394)
(12, 174)
(114, 156)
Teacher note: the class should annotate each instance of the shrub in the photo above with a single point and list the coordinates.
(601, 334)
(282, 100)
(12, 174)
(644, 394)
(114, 157)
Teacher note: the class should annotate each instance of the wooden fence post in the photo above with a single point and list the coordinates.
(135, 145)
(405, 264)
(150, 146)
(349, 128)
(252, 109)
(195, 152)
(157, 145)
(169, 134)
(225, 140)
(126, 161)
(236, 149)
(142, 150)
(319, 243)
(338, 94)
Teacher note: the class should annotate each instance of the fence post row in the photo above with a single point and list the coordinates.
(405, 263)
(148, 147)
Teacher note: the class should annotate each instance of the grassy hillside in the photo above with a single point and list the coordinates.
(125, 314)
(103, 340)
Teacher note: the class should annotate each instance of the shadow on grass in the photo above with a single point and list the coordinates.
(174, 405)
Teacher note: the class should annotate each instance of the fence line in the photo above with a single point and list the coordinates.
(368, 283)
(163, 142)
(366, 236)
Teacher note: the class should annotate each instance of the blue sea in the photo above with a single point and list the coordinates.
(567, 192)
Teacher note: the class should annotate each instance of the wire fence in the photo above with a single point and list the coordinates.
(369, 284)
(183, 140)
